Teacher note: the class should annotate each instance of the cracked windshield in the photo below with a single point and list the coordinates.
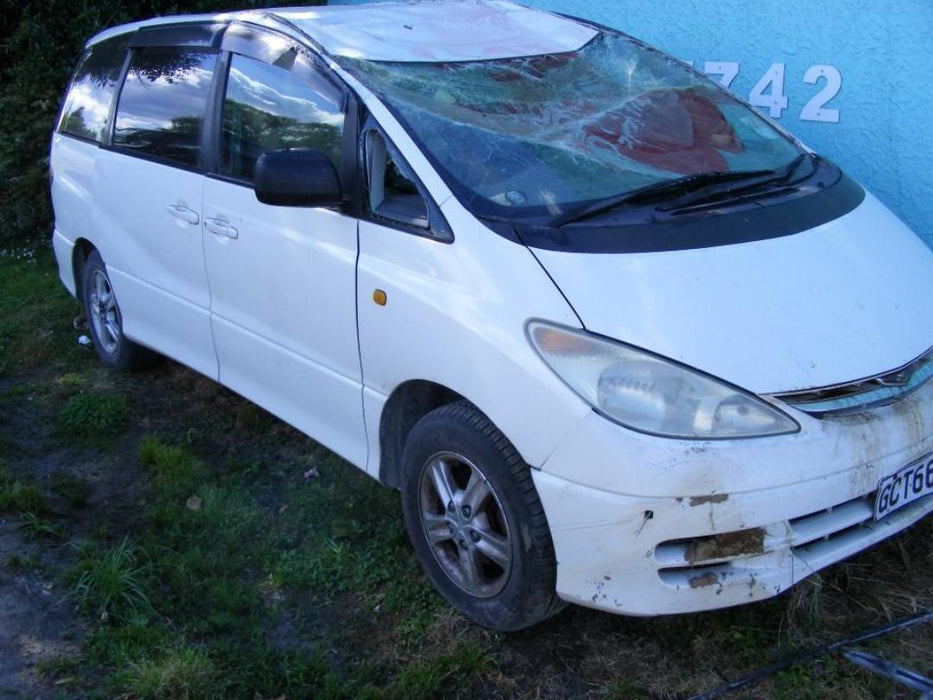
(538, 135)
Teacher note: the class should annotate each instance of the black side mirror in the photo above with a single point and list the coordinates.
(297, 177)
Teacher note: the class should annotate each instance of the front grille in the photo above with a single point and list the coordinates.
(825, 524)
(863, 394)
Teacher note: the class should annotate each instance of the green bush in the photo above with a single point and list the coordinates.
(42, 42)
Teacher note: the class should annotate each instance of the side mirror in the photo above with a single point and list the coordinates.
(296, 177)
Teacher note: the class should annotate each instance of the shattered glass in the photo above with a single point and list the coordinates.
(542, 133)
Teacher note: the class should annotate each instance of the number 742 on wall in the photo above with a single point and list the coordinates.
(768, 92)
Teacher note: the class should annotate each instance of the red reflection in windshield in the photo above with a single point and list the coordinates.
(676, 130)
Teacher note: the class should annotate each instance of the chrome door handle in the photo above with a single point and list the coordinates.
(183, 213)
(220, 227)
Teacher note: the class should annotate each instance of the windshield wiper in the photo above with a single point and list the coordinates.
(775, 183)
(686, 190)
(663, 191)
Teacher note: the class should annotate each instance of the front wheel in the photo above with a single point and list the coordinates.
(105, 321)
(475, 520)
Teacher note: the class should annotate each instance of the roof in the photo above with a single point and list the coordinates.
(417, 30)
(438, 31)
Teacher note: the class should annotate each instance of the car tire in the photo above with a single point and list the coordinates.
(105, 322)
(488, 548)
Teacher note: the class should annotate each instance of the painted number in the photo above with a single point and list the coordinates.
(815, 110)
(769, 91)
(727, 70)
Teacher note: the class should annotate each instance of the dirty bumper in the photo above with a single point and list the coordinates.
(646, 526)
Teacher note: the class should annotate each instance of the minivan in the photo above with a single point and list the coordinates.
(616, 338)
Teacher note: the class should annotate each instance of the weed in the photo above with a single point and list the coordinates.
(92, 416)
(452, 672)
(179, 673)
(74, 489)
(18, 495)
(177, 473)
(21, 562)
(112, 582)
(57, 666)
(71, 382)
(39, 527)
(805, 606)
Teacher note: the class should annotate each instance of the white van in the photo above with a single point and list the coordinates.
(617, 339)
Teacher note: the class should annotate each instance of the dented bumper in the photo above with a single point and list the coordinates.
(647, 526)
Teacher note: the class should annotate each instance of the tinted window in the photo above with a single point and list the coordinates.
(267, 108)
(87, 106)
(163, 101)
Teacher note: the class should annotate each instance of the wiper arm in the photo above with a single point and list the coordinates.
(663, 191)
(690, 189)
(775, 182)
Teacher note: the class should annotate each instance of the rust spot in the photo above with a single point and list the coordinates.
(729, 544)
(705, 580)
(715, 498)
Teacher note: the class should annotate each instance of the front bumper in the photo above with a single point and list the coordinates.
(648, 526)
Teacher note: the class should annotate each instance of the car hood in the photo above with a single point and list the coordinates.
(842, 301)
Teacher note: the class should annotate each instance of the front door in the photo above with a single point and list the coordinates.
(282, 279)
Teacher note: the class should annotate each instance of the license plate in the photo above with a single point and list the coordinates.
(905, 486)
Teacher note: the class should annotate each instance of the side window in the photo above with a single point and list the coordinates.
(162, 104)
(268, 108)
(87, 105)
(393, 193)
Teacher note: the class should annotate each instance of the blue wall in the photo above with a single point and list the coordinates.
(882, 49)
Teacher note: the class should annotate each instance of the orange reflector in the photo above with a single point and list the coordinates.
(379, 297)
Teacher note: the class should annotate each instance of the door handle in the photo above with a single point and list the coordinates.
(220, 227)
(183, 213)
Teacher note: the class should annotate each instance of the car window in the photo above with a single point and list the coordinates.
(162, 104)
(393, 193)
(87, 105)
(270, 107)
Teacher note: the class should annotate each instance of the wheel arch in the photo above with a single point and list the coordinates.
(406, 405)
(80, 252)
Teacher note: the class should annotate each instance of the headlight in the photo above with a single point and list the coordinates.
(648, 393)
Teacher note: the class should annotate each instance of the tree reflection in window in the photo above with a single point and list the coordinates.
(268, 108)
(87, 105)
(163, 102)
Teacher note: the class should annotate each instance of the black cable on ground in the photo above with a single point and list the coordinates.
(903, 623)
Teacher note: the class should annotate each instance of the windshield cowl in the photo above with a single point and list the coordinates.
(706, 191)
(823, 196)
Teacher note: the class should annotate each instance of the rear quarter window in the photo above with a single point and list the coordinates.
(86, 110)
(163, 101)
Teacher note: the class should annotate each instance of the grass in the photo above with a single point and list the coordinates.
(74, 489)
(18, 495)
(40, 527)
(93, 416)
(35, 326)
(178, 673)
(111, 583)
(207, 566)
